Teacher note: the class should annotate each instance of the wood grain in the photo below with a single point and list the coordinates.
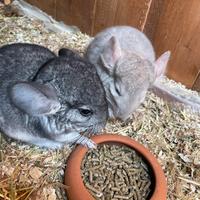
(196, 85)
(118, 12)
(178, 30)
(46, 6)
(92, 16)
(77, 12)
(153, 17)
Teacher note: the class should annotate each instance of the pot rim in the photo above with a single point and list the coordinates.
(76, 189)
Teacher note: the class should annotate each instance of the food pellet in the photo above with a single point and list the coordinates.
(116, 172)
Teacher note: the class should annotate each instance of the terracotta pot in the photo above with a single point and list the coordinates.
(76, 189)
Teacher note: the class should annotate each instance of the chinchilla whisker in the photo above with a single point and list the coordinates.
(90, 130)
(96, 128)
(91, 133)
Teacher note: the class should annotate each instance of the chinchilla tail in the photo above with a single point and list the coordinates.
(177, 97)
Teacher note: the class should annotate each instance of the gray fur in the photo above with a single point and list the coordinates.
(44, 98)
(125, 61)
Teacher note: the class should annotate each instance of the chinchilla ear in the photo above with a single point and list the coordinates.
(111, 54)
(64, 52)
(34, 98)
(161, 64)
(68, 53)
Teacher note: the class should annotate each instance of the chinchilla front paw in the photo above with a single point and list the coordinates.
(87, 142)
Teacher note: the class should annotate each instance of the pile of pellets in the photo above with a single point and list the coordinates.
(116, 172)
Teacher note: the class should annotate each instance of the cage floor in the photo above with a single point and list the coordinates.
(171, 133)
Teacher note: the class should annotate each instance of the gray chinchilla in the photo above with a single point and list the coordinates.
(48, 100)
(125, 61)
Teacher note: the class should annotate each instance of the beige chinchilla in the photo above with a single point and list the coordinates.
(126, 63)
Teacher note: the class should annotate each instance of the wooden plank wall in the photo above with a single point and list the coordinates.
(179, 30)
(114, 12)
(77, 12)
(91, 16)
(153, 18)
(170, 24)
(47, 6)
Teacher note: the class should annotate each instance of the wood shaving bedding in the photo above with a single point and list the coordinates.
(170, 132)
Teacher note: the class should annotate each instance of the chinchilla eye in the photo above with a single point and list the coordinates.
(85, 112)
